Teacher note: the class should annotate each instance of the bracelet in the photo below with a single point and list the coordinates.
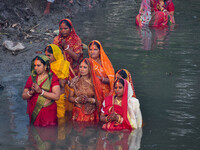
(103, 79)
(107, 119)
(67, 48)
(76, 100)
(42, 92)
(28, 94)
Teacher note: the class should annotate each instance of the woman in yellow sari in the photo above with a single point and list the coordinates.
(102, 66)
(60, 67)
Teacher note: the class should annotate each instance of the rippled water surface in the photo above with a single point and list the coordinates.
(165, 67)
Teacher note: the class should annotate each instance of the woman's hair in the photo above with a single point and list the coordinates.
(119, 80)
(49, 49)
(66, 23)
(47, 63)
(95, 43)
(122, 73)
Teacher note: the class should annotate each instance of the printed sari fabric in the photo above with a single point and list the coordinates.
(75, 44)
(157, 17)
(92, 89)
(47, 115)
(105, 70)
(129, 110)
(61, 68)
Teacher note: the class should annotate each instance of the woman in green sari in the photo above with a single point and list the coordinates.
(41, 91)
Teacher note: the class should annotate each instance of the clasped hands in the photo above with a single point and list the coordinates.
(82, 99)
(113, 117)
(35, 88)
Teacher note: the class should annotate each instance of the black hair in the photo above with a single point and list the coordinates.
(95, 43)
(66, 23)
(49, 49)
(122, 73)
(119, 80)
(43, 62)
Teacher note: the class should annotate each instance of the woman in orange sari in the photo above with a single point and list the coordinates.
(86, 94)
(123, 73)
(102, 66)
(121, 111)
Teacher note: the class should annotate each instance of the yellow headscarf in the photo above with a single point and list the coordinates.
(60, 67)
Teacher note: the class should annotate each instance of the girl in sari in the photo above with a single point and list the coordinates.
(123, 73)
(60, 67)
(102, 66)
(86, 94)
(71, 45)
(121, 111)
(41, 91)
(156, 13)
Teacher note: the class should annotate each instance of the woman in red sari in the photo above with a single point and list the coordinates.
(70, 43)
(41, 91)
(121, 111)
(102, 66)
(156, 13)
(86, 94)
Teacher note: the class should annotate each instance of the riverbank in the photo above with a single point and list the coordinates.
(23, 21)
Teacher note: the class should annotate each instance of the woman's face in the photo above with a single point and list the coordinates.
(94, 51)
(83, 68)
(64, 30)
(39, 67)
(119, 89)
(50, 56)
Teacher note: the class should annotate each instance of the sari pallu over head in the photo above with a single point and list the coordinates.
(129, 104)
(105, 63)
(60, 67)
(129, 79)
(46, 85)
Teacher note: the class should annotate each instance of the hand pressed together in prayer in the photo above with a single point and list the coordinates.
(113, 117)
(36, 88)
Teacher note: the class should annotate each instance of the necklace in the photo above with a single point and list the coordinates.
(118, 101)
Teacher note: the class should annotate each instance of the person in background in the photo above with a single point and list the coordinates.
(123, 73)
(41, 91)
(48, 6)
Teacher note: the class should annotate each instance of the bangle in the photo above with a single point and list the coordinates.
(28, 94)
(76, 100)
(107, 119)
(66, 48)
(42, 92)
(102, 79)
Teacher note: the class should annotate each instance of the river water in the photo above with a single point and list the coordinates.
(165, 67)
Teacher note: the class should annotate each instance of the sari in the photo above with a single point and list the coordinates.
(74, 42)
(104, 70)
(150, 15)
(40, 115)
(129, 79)
(61, 68)
(92, 89)
(129, 110)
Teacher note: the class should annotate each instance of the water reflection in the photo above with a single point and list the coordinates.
(82, 136)
(154, 37)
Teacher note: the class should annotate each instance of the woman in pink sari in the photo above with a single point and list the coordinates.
(156, 13)
(121, 111)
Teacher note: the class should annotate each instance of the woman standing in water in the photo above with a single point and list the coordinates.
(86, 94)
(41, 91)
(121, 111)
(60, 67)
(102, 66)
